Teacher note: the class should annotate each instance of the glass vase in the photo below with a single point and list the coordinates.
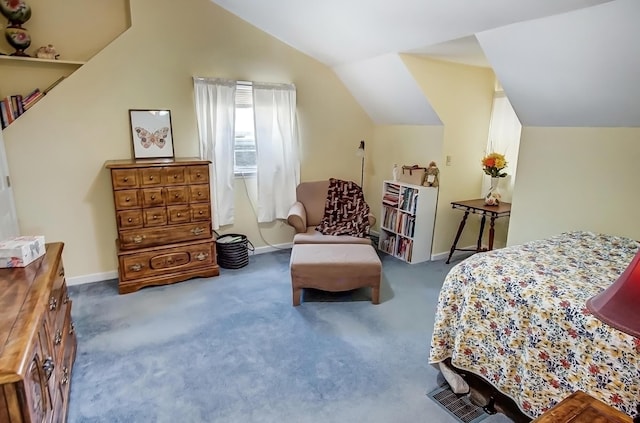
(493, 195)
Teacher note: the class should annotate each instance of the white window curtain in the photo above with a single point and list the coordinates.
(215, 112)
(278, 163)
(504, 138)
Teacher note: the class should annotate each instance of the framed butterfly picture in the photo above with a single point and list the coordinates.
(151, 134)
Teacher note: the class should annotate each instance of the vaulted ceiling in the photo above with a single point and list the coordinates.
(561, 63)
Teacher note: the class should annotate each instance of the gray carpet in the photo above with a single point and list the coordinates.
(233, 349)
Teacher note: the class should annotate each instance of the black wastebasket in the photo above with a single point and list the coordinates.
(233, 250)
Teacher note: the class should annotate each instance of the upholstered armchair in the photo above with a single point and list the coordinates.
(307, 213)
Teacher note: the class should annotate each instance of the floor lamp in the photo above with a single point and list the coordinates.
(618, 305)
(360, 153)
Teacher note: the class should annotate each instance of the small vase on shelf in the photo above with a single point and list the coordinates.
(395, 173)
(493, 196)
(17, 12)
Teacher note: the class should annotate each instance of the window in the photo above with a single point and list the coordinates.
(244, 151)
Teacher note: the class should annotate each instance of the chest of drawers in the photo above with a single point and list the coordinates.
(163, 217)
(37, 341)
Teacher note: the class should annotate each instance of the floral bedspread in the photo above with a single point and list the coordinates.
(517, 317)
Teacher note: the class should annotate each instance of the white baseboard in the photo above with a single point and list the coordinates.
(105, 276)
(270, 248)
(94, 277)
(444, 255)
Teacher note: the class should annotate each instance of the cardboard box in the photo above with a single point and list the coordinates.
(20, 251)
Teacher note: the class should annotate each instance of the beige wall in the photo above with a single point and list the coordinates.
(57, 150)
(78, 29)
(462, 96)
(401, 144)
(576, 179)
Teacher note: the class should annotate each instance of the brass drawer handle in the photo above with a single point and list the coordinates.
(127, 199)
(175, 176)
(198, 175)
(58, 338)
(153, 197)
(197, 231)
(126, 179)
(137, 239)
(53, 303)
(48, 367)
(202, 256)
(129, 220)
(200, 212)
(199, 194)
(135, 267)
(65, 375)
(155, 216)
(177, 195)
(151, 178)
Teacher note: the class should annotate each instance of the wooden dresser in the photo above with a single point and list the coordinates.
(37, 341)
(163, 216)
(580, 407)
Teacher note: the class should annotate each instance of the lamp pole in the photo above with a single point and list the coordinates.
(360, 153)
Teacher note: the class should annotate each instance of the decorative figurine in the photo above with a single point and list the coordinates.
(47, 52)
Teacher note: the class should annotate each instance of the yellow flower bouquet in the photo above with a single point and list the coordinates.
(493, 164)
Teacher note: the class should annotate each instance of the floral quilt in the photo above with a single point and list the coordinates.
(517, 318)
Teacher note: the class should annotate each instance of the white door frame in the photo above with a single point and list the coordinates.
(8, 215)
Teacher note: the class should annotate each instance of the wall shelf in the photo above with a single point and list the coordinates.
(37, 60)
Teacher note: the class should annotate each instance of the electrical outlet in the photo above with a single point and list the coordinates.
(448, 161)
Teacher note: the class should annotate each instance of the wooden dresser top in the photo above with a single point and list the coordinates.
(129, 163)
(582, 408)
(24, 295)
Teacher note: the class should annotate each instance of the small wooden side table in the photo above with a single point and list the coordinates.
(478, 207)
(582, 408)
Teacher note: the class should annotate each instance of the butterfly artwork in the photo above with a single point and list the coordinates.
(148, 138)
(151, 134)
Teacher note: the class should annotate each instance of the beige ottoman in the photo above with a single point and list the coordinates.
(335, 267)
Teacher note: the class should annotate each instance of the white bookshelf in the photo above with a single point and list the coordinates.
(407, 219)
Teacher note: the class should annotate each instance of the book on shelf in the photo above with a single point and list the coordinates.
(33, 100)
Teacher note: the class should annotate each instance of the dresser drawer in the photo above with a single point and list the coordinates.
(179, 214)
(175, 175)
(148, 237)
(124, 178)
(156, 216)
(199, 193)
(127, 199)
(161, 261)
(199, 174)
(152, 197)
(177, 195)
(151, 177)
(130, 219)
(200, 212)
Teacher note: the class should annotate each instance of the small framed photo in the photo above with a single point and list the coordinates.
(151, 134)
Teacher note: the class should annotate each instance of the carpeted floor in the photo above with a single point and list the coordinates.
(233, 349)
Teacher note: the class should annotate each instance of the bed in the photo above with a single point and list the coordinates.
(517, 318)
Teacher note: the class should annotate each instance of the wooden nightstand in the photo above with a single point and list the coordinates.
(582, 408)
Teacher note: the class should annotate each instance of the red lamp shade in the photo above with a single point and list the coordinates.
(619, 304)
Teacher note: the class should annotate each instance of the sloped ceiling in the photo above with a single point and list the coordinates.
(549, 55)
(574, 69)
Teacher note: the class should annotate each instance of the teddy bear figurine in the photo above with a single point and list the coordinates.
(47, 52)
(431, 178)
